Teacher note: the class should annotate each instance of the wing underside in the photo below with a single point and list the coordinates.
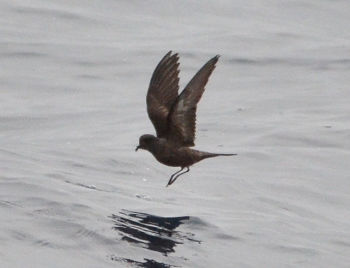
(162, 92)
(182, 119)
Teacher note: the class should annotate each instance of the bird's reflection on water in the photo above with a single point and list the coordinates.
(152, 232)
(146, 264)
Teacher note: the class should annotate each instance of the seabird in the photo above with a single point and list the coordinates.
(174, 116)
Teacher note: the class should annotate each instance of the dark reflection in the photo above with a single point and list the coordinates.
(152, 232)
(146, 264)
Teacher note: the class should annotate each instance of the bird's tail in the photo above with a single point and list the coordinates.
(208, 155)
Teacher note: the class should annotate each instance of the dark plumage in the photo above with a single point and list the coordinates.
(174, 116)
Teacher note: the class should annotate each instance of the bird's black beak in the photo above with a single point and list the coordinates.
(137, 147)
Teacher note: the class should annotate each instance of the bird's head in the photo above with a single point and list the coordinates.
(145, 142)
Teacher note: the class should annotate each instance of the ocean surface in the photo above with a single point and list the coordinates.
(73, 81)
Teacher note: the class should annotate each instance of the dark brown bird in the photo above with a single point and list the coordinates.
(174, 116)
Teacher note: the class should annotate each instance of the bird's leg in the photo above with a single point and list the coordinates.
(178, 174)
(172, 176)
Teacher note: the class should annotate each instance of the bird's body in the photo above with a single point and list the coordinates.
(172, 155)
(174, 116)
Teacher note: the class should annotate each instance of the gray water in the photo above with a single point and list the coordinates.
(73, 192)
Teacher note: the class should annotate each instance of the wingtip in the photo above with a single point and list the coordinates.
(215, 59)
(169, 53)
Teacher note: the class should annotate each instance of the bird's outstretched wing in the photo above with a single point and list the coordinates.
(162, 92)
(182, 118)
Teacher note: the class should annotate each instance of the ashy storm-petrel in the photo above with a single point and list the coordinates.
(174, 116)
